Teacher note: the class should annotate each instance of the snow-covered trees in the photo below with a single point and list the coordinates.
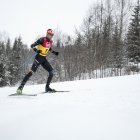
(11, 59)
(4, 64)
(133, 36)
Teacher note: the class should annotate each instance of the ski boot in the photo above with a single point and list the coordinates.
(48, 89)
(19, 90)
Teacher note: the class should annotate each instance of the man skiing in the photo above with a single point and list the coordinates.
(41, 47)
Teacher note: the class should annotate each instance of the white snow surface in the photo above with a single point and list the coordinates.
(95, 109)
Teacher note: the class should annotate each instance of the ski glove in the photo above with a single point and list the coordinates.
(37, 51)
(56, 53)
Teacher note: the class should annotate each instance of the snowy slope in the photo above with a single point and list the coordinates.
(98, 109)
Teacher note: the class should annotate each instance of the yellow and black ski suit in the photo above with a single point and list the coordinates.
(41, 47)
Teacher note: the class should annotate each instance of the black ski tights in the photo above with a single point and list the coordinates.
(39, 60)
(49, 78)
(26, 78)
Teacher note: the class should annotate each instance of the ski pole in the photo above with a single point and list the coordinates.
(28, 60)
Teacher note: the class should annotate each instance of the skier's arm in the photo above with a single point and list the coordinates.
(54, 52)
(39, 41)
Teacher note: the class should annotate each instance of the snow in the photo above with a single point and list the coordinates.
(95, 109)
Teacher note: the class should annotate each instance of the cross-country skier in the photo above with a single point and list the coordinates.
(41, 47)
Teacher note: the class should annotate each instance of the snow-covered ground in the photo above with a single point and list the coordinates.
(98, 109)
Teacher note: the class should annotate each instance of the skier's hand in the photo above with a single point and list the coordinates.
(56, 53)
(37, 51)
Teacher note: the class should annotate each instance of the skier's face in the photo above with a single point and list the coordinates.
(50, 36)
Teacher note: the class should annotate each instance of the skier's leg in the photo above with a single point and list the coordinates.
(26, 78)
(49, 78)
(46, 65)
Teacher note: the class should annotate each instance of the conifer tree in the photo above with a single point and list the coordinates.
(133, 36)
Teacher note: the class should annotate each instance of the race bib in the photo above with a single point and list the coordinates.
(44, 51)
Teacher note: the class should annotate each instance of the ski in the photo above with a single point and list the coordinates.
(16, 94)
(55, 91)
